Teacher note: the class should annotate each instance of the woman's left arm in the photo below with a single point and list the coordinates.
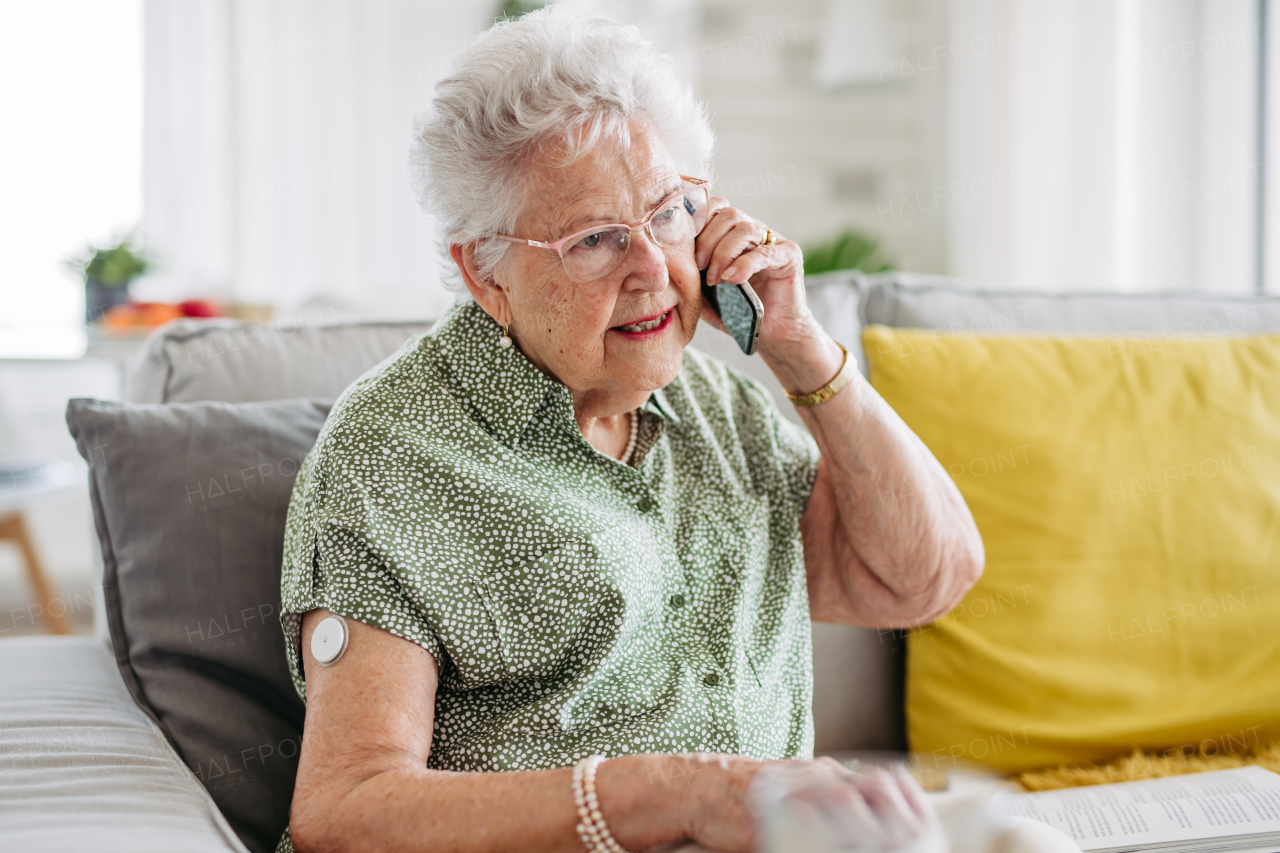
(888, 540)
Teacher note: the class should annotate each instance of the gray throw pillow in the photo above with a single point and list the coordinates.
(189, 502)
(907, 300)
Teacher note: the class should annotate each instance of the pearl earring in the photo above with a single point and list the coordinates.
(505, 340)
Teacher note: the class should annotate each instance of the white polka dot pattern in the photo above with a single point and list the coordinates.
(574, 604)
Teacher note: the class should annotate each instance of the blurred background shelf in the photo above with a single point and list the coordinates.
(113, 345)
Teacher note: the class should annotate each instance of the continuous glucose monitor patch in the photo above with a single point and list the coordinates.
(329, 640)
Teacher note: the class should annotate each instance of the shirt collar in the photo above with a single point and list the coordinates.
(500, 384)
(661, 406)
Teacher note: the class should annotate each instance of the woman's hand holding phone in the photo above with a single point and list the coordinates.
(731, 250)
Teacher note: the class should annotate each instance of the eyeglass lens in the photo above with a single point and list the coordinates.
(599, 253)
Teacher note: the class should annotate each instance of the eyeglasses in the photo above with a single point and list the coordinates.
(595, 252)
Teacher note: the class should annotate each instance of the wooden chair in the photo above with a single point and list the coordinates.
(13, 528)
(22, 486)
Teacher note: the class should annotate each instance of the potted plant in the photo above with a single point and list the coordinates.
(107, 272)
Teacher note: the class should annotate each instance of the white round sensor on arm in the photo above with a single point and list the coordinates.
(329, 640)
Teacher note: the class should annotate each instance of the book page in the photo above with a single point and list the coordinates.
(1224, 803)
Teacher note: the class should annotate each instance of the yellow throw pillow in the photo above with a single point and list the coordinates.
(1128, 494)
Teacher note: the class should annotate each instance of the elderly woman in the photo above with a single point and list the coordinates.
(554, 533)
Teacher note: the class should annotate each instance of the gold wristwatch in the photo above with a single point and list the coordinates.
(826, 392)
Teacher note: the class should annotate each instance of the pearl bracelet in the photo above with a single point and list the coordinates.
(591, 827)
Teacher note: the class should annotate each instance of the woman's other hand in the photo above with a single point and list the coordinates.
(730, 803)
(806, 803)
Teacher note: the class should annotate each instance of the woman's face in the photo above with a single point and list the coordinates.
(574, 331)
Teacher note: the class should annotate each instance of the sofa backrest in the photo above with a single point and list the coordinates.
(230, 361)
(906, 300)
(233, 362)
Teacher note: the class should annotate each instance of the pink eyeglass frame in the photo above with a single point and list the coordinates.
(558, 246)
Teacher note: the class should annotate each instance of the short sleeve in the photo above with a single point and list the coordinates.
(333, 563)
(352, 581)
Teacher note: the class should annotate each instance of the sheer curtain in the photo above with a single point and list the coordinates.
(1103, 144)
(276, 141)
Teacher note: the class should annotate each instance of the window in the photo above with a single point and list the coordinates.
(70, 159)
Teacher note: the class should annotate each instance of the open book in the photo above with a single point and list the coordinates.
(1224, 810)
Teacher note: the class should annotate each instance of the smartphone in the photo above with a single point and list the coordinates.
(740, 310)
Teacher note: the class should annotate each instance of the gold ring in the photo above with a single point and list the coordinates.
(769, 237)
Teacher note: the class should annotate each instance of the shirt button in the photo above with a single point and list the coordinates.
(645, 504)
(711, 679)
(677, 600)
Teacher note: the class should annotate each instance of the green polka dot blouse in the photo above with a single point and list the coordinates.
(574, 604)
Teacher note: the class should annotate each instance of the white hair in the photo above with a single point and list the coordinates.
(550, 76)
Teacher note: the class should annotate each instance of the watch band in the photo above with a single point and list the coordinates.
(826, 392)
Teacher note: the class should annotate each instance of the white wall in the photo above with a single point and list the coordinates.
(809, 162)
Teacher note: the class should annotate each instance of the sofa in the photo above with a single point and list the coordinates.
(176, 727)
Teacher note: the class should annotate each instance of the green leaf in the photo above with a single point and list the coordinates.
(509, 10)
(850, 250)
(111, 266)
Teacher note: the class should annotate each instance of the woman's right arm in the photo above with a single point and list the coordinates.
(363, 781)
